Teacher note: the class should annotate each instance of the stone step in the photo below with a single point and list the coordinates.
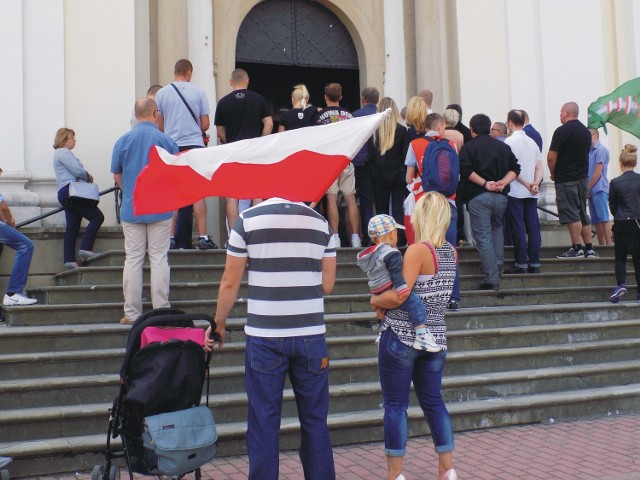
(43, 314)
(41, 421)
(81, 452)
(184, 291)
(95, 274)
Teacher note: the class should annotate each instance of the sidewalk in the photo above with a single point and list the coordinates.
(602, 449)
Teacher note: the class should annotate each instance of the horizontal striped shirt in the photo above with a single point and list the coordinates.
(285, 243)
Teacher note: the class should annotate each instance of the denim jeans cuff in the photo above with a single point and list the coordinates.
(445, 448)
(394, 453)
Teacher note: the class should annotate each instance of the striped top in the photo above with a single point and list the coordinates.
(435, 292)
(285, 243)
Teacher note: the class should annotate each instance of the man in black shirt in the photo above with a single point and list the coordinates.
(240, 115)
(487, 167)
(568, 161)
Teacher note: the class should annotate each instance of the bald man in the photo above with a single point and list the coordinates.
(568, 161)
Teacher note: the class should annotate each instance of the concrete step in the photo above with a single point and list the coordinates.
(81, 452)
(184, 291)
(46, 421)
(43, 314)
(61, 337)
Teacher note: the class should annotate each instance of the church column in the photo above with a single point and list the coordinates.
(395, 75)
(14, 31)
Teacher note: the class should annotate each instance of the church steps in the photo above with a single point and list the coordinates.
(65, 420)
(75, 453)
(513, 359)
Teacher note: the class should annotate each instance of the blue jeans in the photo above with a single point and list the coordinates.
(486, 212)
(12, 238)
(451, 236)
(522, 215)
(184, 221)
(74, 215)
(415, 309)
(398, 365)
(267, 363)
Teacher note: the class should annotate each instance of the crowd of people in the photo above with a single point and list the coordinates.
(393, 197)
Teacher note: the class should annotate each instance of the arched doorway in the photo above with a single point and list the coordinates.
(285, 42)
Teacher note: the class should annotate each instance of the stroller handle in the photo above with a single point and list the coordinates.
(177, 320)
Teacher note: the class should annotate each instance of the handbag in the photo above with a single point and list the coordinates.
(179, 442)
(84, 194)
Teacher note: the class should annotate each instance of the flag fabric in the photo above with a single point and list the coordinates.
(298, 165)
(619, 108)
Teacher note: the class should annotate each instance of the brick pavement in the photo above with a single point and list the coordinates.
(601, 449)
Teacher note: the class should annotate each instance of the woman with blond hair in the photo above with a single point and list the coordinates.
(68, 168)
(624, 202)
(386, 154)
(302, 114)
(429, 269)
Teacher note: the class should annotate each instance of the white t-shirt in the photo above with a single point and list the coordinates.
(528, 154)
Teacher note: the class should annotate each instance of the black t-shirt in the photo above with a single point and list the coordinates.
(572, 141)
(241, 113)
(298, 117)
(332, 115)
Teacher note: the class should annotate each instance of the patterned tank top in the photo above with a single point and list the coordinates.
(435, 292)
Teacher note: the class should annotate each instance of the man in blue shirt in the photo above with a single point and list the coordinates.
(142, 233)
(599, 189)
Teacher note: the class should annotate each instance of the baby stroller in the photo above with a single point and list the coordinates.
(157, 414)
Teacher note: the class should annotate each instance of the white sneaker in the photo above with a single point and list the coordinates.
(355, 241)
(426, 342)
(401, 477)
(18, 299)
(336, 239)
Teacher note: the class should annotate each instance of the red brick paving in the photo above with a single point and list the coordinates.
(601, 449)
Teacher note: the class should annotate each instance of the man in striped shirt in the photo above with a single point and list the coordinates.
(290, 251)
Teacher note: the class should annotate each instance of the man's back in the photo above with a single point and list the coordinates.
(333, 114)
(241, 113)
(179, 124)
(572, 141)
(285, 243)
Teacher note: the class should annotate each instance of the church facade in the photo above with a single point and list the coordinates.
(82, 63)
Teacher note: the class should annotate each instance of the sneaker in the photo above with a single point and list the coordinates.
(618, 293)
(571, 253)
(355, 241)
(70, 265)
(86, 254)
(426, 342)
(336, 239)
(591, 254)
(401, 477)
(18, 299)
(449, 475)
(534, 269)
(453, 306)
(127, 321)
(638, 297)
(172, 243)
(205, 243)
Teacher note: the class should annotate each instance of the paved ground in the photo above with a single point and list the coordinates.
(602, 449)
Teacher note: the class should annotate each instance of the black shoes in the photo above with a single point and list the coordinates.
(488, 286)
(515, 270)
(453, 306)
(534, 269)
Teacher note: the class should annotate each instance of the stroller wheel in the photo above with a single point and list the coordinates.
(114, 473)
(96, 473)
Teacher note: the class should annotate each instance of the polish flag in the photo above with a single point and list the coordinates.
(298, 165)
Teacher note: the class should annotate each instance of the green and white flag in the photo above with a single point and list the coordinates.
(619, 108)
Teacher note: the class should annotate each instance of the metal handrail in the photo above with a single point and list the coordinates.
(60, 209)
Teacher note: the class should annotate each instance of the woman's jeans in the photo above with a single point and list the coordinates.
(74, 215)
(268, 362)
(12, 238)
(398, 365)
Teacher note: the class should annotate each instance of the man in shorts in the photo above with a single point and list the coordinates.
(568, 161)
(599, 189)
(346, 182)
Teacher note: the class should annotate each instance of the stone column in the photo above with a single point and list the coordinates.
(394, 75)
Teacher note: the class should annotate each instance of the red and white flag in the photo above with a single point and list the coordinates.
(298, 165)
